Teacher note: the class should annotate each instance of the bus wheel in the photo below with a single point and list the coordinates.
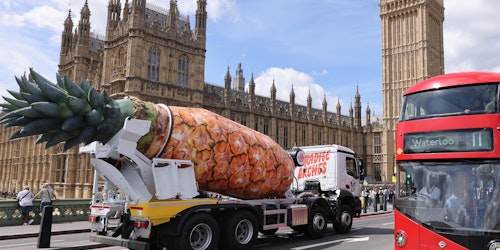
(317, 225)
(239, 231)
(198, 233)
(345, 223)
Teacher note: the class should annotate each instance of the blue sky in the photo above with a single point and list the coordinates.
(327, 47)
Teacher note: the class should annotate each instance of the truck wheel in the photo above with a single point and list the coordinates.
(239, 231)
(160, 239)
(269, 231)
(317, 225)
(345, 223)
(198, 233)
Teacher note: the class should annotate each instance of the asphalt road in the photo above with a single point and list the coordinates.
(368, 232)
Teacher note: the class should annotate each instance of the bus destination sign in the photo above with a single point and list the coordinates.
(467, 140)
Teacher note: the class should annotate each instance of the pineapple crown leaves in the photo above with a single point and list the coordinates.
(62, 112)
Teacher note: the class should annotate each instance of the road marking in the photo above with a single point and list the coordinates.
(332, 242)
(389, 223)
(358, 239)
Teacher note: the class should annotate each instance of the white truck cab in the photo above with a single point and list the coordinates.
(328, 168)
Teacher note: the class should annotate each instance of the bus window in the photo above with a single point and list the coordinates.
(468, 197)
(468, 99)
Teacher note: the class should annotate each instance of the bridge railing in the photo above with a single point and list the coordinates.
(65, 210)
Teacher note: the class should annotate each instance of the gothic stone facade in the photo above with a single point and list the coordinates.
(152, 53)
(412, 51)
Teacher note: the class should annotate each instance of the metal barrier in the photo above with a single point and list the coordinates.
(64, 210)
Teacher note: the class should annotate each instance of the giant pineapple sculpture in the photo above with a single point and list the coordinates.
(229, 158)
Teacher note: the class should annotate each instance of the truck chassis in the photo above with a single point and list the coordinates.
(181, 217)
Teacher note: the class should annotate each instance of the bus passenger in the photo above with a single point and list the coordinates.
(490, 107)
(431, 192)
(467, 212)
(477, 105)
(492, 214)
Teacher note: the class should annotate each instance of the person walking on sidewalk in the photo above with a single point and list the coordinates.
(25, 199)
(46, 195)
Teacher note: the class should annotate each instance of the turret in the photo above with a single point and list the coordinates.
(351, 115)
(325, 105)
(67, 36)
(357, 109)
(227, 88)
(114, 12)
(126, 11)
(251, 86)
(239, 79)
(309, 100)
(292, 102)
(339, 116)
(368, 115)
(273, 97)
(251, 90)
(200, 30)
(173, 14)
(309, 106)
(138, 12)
(83, 30)
(273, 92)
(227, 80)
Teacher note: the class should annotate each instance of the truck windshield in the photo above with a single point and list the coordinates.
(468, 99)
(459, 196)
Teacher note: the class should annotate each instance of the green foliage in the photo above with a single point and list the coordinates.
(63, 112)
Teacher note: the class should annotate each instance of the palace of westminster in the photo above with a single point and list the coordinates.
(155, 54)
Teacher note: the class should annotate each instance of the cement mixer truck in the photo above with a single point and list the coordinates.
(188, 178)
(164, 207)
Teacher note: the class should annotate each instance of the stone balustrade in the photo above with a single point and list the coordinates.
(65, 210)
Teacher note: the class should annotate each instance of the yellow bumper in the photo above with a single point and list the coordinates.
(159, 212)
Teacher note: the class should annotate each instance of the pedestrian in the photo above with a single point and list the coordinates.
(46, 195)
(25, 199)
(100, 195)
(372, 196)
(365, 194)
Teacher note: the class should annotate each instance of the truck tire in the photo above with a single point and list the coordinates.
(160, 239)
(317, 225)
(239, 231)
(269, 231)
(199, 232)
(345, 223)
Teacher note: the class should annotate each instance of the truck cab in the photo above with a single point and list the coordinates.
(336, 172)
(328, 168)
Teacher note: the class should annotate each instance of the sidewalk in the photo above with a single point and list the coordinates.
(16, 232)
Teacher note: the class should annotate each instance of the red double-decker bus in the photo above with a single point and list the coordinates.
(448, 164)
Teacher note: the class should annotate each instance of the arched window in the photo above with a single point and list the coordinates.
(183, 72)
(153, 64)
(121, 57)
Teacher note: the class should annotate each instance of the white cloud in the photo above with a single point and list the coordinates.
(219, 9)
(471, 35)
(303, 85)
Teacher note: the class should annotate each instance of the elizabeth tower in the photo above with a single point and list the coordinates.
(412, 51)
